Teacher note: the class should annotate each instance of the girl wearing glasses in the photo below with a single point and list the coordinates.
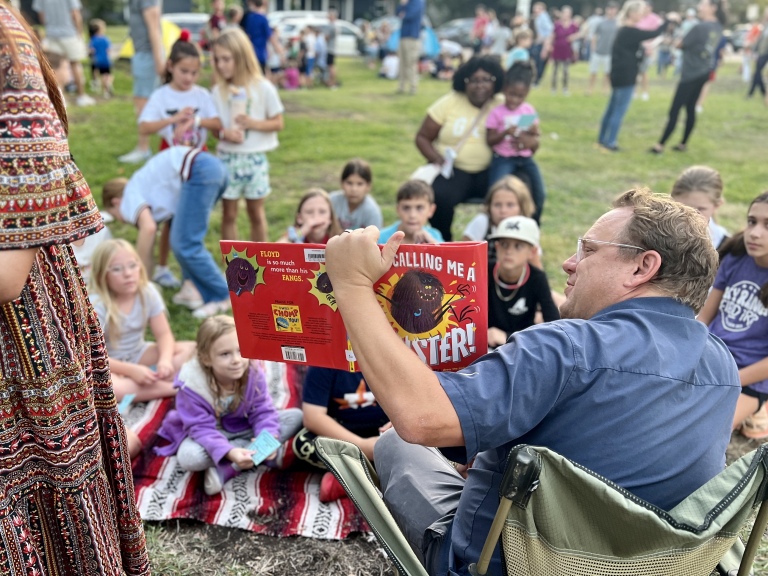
(125, 302)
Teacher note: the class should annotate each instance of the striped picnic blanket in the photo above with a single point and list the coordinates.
(272, 502)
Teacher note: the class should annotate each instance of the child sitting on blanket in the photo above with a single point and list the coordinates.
(221, 406)
(337, 404)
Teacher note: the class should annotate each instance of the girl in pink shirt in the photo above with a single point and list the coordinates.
(512, 130)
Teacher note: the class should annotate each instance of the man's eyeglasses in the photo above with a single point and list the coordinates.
(480, 80)
(130, 267)
(580, 246)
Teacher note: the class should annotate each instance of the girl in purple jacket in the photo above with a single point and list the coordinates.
(222, 404)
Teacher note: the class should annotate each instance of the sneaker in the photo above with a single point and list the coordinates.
(699, 109)
(85, 100)
(165, 277)
(645, 97)
(212, 483)
(212, 308)
(188, 296)
(135, 156)
(330, 489)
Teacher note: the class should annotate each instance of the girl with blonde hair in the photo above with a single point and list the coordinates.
(222, 405)
(252, 114)
(126, 302)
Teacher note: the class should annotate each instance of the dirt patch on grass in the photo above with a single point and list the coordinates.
(181, 548)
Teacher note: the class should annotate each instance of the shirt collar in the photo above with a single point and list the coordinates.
(664, 305)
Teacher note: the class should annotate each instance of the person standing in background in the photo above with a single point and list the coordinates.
(217, 21)
(64, 35)
(410, 13)
(330, 37)
(147, 65)
(545, 29)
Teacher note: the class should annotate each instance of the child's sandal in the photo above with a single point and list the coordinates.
(756, 426)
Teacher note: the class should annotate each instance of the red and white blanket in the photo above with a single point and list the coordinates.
(276, 503)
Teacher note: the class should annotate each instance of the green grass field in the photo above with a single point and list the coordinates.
(365, 118)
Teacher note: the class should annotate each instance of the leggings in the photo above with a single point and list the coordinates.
(565, 64)
(687, 94)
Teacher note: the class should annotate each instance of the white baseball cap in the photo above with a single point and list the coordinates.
(517, 228)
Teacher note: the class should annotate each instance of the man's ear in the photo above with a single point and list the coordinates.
(647, 265)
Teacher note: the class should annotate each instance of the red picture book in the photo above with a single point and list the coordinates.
(434, 296)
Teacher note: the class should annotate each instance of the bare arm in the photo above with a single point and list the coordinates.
(317, 421)
(407, 390)
(16, 265)
(77, 20)
(425, 141)
(709, 310)
(274, 124)
(151, 17)
(161, 330)
(753, 373)
(493, 136)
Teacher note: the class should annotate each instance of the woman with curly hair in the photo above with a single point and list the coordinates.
(454, 130)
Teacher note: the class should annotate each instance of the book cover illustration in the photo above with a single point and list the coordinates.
(434, 297)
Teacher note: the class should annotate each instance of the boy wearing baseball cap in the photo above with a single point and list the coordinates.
(516, 289)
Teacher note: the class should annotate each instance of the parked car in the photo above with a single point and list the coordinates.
(348, 36)
(459, 30)
(279, 15)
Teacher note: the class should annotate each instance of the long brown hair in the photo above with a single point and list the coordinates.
(211, 330)
(735, 245)
(9, 45)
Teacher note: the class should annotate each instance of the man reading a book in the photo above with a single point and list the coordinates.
(629, 384)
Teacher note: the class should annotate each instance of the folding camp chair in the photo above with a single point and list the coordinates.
(557, 518)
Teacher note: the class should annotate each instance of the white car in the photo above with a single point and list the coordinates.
(279, 15)
(348, 36)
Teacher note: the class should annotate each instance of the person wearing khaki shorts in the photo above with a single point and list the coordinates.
(64, 35)
(410, 12)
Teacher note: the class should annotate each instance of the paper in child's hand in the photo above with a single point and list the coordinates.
(125, 403)
(526, 121)
(264, 445)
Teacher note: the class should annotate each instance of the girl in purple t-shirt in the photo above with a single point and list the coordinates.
(737, 312)
(566, 31)
(512, 130)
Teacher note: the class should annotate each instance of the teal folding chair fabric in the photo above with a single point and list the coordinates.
(557, 518)
(356, 474)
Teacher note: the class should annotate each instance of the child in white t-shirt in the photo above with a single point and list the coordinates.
(252, 114)
(180, 101)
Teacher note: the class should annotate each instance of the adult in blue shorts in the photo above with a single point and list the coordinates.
(628, 384)
(147, 65)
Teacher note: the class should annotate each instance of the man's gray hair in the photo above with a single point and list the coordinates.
(680, 235)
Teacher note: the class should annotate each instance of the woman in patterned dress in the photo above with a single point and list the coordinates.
(66, 492)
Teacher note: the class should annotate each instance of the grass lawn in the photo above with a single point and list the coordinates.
(365, 118)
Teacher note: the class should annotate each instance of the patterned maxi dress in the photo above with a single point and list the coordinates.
(66, 492)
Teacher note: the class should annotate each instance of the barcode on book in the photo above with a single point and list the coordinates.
(314, 255)
(294, 354)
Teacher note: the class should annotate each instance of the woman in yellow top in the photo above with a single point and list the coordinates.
(457, 121)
